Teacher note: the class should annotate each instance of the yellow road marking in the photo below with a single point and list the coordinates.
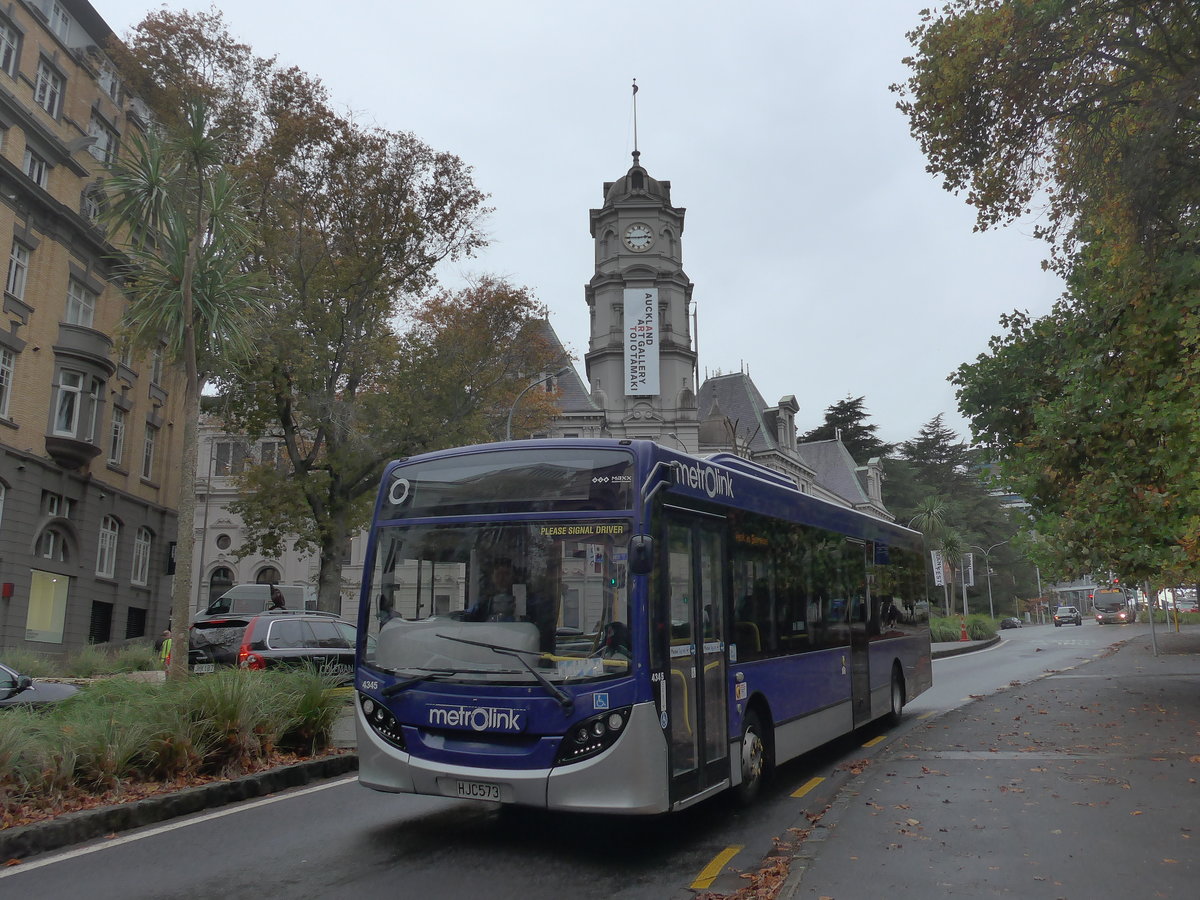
(876, 740)
(710, 872)
(925, 715)
(807, 786)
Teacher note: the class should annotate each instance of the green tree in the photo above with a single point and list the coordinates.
(936, 486)
(1090, 411)
(177, 218)
(847, 420)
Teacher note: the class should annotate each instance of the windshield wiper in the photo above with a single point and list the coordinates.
(428, 675)
(564, 699)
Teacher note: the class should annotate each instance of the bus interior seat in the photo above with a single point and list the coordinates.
(747, 636)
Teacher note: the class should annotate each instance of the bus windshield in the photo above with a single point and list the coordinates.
(491, 601)
(1109, 601)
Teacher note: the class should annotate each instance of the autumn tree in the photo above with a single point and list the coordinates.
(359, 358)
(1090, 111)
(847, 420)
(447, 379)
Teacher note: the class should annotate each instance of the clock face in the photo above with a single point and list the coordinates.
(638, 237)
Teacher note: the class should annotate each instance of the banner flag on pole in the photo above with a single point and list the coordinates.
(939, 575)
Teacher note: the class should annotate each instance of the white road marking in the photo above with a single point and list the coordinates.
(162, 829)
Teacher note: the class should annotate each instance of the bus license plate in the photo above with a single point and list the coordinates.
(204, 668)
(478, 790)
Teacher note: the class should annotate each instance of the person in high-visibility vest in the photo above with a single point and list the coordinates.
(164, 649)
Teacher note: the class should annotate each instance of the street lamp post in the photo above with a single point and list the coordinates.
(987, 561)
(508, 426)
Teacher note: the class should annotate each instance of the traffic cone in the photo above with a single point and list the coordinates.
(964, 636)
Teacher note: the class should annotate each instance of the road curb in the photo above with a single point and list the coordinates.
(943, 650)
(86, 825)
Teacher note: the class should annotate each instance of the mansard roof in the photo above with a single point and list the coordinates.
(573, 395)
(836, 469)
(735, 399)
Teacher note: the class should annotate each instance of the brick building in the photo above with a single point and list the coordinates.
(89, 434)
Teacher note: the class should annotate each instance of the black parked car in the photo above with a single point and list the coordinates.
(21, 690)
(1010, 622)
(276, 638)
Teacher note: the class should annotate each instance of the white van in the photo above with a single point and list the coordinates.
(247, 599)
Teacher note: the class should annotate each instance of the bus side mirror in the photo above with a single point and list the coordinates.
(641, 554)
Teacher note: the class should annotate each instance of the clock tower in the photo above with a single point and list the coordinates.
(641, 363)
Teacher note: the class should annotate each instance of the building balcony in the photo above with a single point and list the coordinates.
(86, 345)
(70, 453)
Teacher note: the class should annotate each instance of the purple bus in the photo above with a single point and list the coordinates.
(615, 626)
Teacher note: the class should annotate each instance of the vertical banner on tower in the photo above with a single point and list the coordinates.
(641, 341)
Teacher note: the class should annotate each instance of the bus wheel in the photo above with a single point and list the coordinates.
(897, 695)
(755, 758)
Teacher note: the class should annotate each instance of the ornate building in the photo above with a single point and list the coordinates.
(641, 363)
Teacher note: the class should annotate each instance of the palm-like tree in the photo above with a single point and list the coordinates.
(178, 220)
(930, 516)
(952, 546)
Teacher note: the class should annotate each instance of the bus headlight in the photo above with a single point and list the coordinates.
(592, 736)
(382, 722)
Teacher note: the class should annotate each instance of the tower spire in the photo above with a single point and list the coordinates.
(636, 153)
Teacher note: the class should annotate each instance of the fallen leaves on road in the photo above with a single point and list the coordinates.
(855, 767)
(766, 883)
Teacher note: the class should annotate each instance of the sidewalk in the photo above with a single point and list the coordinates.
(1081, 784)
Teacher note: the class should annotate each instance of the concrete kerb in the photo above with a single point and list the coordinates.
(956, 648)
(86, 825)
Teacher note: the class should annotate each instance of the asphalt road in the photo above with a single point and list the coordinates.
(336, 838)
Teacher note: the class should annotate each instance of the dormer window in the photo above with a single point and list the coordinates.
(60, 22)
(637, 180)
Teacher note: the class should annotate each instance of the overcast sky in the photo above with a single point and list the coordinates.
(825, 260)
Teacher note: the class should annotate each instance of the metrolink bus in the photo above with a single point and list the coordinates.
(615, 626)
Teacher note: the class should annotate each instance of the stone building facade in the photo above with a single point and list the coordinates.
(89, 433)
(220, 531)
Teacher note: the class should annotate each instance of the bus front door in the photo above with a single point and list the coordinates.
(695, 604)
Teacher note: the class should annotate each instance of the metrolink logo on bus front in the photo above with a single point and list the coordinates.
(704, 478)
(476, 718)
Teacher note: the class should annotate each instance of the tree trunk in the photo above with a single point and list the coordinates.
(329, 575)
(181, 590)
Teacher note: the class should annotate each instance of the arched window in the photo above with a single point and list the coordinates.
(268, 575)
(219, 582)
(142, 543)
(106, 552)
(52, 545)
